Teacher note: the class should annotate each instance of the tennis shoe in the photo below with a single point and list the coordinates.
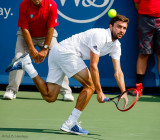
(75, 128)
(9, 95)
(139, 88)
(68, 97)
(19, 63)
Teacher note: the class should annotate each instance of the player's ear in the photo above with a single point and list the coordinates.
(110, 26)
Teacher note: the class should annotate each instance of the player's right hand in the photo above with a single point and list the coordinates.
(100, 97)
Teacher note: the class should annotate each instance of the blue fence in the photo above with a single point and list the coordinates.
(76, 16)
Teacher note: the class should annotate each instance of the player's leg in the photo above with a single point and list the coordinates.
(84, 77)
(71, 125)
(49, 91)
(15, 77)
(65, 90)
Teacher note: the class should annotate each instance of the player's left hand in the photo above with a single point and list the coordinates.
(124, 96)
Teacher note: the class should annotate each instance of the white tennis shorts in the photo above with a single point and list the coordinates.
(61, 63)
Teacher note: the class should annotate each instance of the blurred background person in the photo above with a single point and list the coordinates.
(37, 22)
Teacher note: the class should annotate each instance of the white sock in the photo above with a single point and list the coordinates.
(75, 115)
(29, 68)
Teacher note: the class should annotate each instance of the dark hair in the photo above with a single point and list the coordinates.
(118, 18)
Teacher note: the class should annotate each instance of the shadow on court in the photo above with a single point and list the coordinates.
(23, 98)
(26, 98)
(149, 98)
(47, 131)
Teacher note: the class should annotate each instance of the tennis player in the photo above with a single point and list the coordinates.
(67, 58)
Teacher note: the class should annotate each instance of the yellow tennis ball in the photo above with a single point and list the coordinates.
(112, 13)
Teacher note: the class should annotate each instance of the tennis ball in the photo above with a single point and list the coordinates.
(112, 13)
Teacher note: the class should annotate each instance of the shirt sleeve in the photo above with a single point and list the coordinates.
(23, 21)
(53, 20)
(116, 53)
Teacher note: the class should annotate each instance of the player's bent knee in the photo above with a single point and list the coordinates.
(90, 88)
(93, 88)
(50, 100)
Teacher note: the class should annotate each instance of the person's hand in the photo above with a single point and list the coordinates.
(41, 56)
(33, 54)
(100, 97)
(124, 96)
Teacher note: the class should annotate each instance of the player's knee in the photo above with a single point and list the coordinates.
(51, 100)
(91, 88)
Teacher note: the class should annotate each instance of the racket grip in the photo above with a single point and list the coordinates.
(106, 99)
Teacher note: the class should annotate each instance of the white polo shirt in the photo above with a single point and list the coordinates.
(66, 58)
(98, 40)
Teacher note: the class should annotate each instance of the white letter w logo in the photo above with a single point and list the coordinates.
(76, 2)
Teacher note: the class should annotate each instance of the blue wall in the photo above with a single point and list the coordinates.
(76, 16)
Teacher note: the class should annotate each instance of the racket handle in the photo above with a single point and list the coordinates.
(106, 99)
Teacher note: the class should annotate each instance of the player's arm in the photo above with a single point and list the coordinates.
(28, 39)
(118, 74)
(44, 51)
(94, 59)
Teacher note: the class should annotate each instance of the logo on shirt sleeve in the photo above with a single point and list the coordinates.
(56, 20)
(95, 47)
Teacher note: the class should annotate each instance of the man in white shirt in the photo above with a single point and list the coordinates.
(67, 58)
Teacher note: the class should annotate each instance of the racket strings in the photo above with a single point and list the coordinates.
(126, 100)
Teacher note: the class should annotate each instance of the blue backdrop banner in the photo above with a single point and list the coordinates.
(77, 16)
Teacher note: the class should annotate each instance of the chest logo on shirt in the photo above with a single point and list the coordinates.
(31, 16)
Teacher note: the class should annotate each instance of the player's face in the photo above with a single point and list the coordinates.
(118, 29)
(37, 2)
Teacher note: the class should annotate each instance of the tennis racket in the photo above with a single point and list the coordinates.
(126, 100)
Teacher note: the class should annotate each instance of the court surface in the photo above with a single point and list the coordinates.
(29, 117)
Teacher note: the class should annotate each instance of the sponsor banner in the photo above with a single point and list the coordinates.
(77, 16)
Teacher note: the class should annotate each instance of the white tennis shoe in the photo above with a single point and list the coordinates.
(9, 95)
(68, 97)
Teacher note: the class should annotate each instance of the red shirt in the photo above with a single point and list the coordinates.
(149, 7)
(38, 19)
